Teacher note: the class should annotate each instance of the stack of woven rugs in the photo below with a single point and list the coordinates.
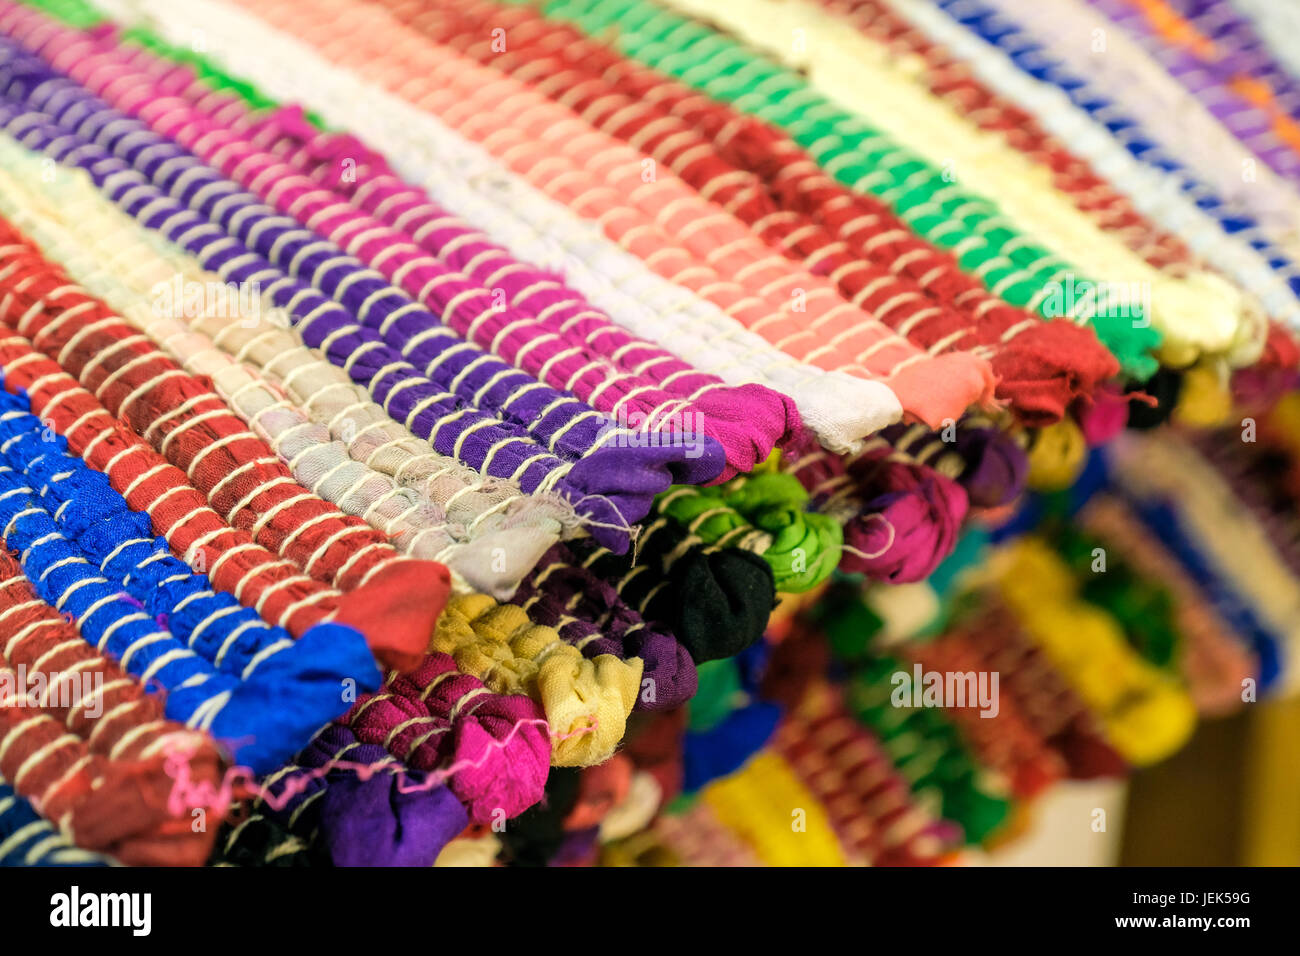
(482, 432)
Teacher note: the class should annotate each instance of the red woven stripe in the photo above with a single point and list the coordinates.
(951, 79)
(186, 421)
(767, 181)
(394, 600)
(233, 562)
(129, 721)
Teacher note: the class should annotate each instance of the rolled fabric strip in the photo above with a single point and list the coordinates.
(115, 807)
(775, 308)
(1216, 660)
(96, 519)
(1257, 108)
(493, 750)
(900, 518)
(1040, 690)
(415, 400)
(951, 79)
(1145, 714)
(748, 420)
(249, 715)
(839, 408)
(117, 718)
(927, 749)
(420, 819)
(714, 601)
(423, 277)
(1143, 608)
(586, 700)
(1002, 738)
(577, 81)
(360, 805)
(1262, 480)
(995, 466)
(867, 801)
(984, 459)
(713, 234)
(618, 472)
(1189, 499)
(588, 612)
(1263, 638)
(1173, 118)
(312, 671)
(415, 521)
(1040, 367)
(1196, 313)
(193, 426)
(28, 839)
(850, 150)
(989, 466)
(60, 676)
(179, 513)
(1152, 177)
(764, 513)
(556, 60)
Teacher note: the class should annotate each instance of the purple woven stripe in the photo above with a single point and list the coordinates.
(553, 417)
(1240, 48)
(538, 323)
(1243, 119)
(426, 409)
(611, 487)
(563, 594)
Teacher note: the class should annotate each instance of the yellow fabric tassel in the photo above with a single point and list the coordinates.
(587, 702)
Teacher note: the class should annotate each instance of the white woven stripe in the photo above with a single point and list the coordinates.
(1198, 312)
(110, 258)
(463, 178)
(1155, 193)
(1135, 82)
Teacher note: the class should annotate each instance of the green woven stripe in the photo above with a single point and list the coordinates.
(83, 16)
(75, 13)
(968, 225)
(848, 148)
